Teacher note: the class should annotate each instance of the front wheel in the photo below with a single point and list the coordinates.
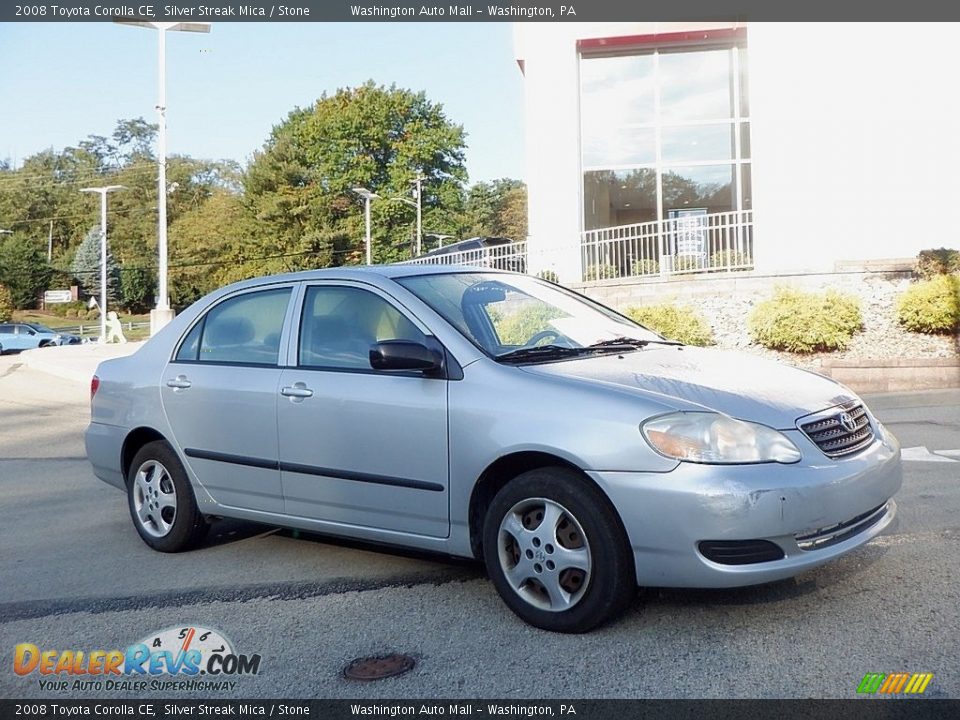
(161, 500)
(556, 551)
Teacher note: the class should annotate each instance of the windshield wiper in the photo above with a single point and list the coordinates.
(631, 342)
(542, 352)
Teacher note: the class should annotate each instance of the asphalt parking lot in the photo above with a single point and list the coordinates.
(74, 575)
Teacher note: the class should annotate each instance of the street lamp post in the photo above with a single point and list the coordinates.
(103, 252)
(418, 192)
(367, 196)
(162, 314)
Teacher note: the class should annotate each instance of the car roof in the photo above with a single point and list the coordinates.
(363, 272)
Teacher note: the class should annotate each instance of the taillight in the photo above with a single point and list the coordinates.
(94, 386)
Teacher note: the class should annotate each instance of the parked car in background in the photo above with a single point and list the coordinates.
(15, 337)
(484, 251)
(489, 415)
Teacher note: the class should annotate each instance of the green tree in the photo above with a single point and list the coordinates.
(498, 209)
(299, 185)
(6, 304)
(138, 286)
(86, 267)
(24, 270)
(216, 243)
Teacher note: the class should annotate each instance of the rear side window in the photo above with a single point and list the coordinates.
(243, 330)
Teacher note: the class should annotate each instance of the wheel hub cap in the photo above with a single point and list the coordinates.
(544, 554)
(154, 499)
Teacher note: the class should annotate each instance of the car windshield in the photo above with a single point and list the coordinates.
(503, 314)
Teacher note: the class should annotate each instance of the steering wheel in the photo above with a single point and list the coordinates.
(540, 336)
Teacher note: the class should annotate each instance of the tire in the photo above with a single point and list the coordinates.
(161, 500)
(556, 551)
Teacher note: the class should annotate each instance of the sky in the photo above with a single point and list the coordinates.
(60, 82)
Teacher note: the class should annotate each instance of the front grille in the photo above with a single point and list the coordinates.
(740, 552)
(833, 534)
(837, 439)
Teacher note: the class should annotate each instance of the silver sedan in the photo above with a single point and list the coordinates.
(495, 416)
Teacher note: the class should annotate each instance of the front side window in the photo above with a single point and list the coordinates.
(241, 330)
(339, 325)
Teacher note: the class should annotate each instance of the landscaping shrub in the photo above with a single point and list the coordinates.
(687, 262)
(645, 267)
(805, 322)
(937, 262)
(676, 322)
(726, 258)
(601, 272)
(931, 306)
(69, 309)
(6, 304)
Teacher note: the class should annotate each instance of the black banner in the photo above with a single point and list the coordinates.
(473, 11)
(861, 709)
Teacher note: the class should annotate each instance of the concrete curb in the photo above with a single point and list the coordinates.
(75, 362)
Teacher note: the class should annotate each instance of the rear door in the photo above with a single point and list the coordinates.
(220, 396)
(358, 446)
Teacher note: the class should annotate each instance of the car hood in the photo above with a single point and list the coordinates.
(740, 385)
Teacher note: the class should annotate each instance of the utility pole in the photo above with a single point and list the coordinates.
(418, 194)
(50, 243)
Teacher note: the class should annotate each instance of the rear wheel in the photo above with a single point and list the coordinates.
(161, 500)
(556, 552)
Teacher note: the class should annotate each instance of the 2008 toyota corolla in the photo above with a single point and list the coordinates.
(489, 415)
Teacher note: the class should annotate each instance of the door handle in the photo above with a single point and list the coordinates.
(180, 382)
(297, 390)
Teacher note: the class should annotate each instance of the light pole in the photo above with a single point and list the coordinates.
(367, 196)
(162, 314)
(103, 252)
(418, 193)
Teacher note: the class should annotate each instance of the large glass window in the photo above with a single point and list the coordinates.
(665, 135)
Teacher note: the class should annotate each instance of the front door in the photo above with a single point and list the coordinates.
(357, 446)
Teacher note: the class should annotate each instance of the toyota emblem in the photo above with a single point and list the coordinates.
(848, 422)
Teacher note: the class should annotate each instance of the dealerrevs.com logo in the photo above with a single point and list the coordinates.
(197, 658)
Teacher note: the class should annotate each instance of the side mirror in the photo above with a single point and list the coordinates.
(404, 355)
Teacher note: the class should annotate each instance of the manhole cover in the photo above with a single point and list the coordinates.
(377, 668)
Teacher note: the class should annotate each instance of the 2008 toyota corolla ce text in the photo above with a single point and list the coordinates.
(490, 415)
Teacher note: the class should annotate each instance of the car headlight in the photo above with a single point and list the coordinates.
(712, 438)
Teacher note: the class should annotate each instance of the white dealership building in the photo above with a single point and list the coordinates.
(664, 148)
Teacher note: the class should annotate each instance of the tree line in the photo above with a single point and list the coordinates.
(291, 208)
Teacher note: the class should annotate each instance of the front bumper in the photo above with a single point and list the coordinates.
(666, 515)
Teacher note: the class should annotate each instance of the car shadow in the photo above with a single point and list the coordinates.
(226, 531)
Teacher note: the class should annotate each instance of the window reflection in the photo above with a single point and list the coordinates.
(663, 125)
(620, 198)
(697, 142)
(705, 186)
(695, 85)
